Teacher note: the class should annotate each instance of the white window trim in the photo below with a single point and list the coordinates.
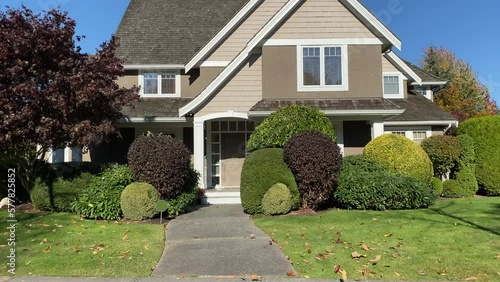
(409, 131)
(160, 72)
(401, 77)
(428, 91)
(300, 70)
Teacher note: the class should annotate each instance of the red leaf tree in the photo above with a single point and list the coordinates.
(51, 94)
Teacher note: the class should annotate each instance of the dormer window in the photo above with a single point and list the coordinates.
(322, 68)
(393, 86)
(160, 84)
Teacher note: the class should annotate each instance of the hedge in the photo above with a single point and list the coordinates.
(400, 155)
(261, 170)
(289, 120)
(485, 131)
(443, 151)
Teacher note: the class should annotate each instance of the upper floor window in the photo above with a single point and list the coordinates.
(322, 68)
(160, 84)
(393, 86)
(425, 91)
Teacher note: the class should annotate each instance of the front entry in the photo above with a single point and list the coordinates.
(233, 156)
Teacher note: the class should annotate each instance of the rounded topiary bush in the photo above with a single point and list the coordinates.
(453, 189)
(161, 161)
(261, 170)
(277, 200)
(138, 201)
(465, 170)
(381, 190)
(315, 161)
(485, 131)
(400, 155)
(443, 151)
(437, 186)
(289, 120)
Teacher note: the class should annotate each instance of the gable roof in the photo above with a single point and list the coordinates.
(419, 108)
(426, 77)
(161, 32)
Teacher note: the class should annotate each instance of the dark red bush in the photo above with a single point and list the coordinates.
(315, 161)
(161, 161)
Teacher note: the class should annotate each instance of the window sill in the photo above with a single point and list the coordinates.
(394, 96)
(160, 95)
(323, 88)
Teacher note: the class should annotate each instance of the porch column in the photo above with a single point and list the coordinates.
(199, 146)
(339, 131)
(377, 128)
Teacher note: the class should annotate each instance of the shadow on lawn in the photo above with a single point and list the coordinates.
(442, 211)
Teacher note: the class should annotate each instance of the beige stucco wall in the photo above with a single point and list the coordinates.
(322, 19)
(191, 86)
(388, 66)
(242, 92)
(130, 79)
(247, 29)
(279, 74)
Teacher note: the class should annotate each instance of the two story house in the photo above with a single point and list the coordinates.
(210, 71)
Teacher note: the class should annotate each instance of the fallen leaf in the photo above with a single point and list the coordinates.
(387, 235)
(421, 272)
(291, 273)
(498, 256)
(377, 258)
(336, 268)
(339, 241)
(364, 272)
(59, 226)
(344, 274)
(320, 256)
(357, 255)
(125, 236)
(397, 274)
(28, 262)
(333, 227)
(252, 236)
(47, 250)
(255, 277)
(365, 247)
(306, 261)
(471, 279)
(309, 250)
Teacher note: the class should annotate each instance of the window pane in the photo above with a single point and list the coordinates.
(150, 83)
(215, 126)
(391, 85)
(215, 137)
(333, 66)
(58, 156)
(76, 154)
(168, 84)
(232, 126)
(215, 148)
(311, 66)
(418, 136)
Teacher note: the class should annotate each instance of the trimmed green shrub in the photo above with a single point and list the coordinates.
(138, 201)
(467, 180)
(180, 203)
(485, 131)
(381, 190)
(277, 200)
(58, 194)
(361, 162)
(161, 161)
(465, 170)
(453, 189)
(101, 198)
(315, 161)
(437, 186)
(467, 150)
(443, 151)
(400, 155)
(289, 120)
(261, 170)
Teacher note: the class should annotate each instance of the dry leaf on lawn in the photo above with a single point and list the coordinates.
(291, 273)
(320, 256)
(377, 258)
(471, 279)
(357, 255)
(387, 235)
(344, 274)
(336, 268)
(365, 247)
(397, 274)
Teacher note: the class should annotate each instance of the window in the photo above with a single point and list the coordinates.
(160, 84)
(415, 134)
(393, 86)
(322, 68)
(419, 136)
(425, 91)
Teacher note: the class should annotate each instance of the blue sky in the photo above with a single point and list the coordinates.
(470, 28)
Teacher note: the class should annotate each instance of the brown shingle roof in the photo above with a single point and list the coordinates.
(159, 107)
(425, 76)
(419, 108)
(171, 31)
(330, 104)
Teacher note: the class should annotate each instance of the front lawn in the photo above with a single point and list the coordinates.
(453, 240)
(61, 244)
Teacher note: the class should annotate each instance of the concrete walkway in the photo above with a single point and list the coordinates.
(219, 240)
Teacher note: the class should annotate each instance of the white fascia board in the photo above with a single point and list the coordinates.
(241, 58)
(340, 112)
(153, 67)
(372, 20)
(222, 33)
(322, 41)
(428, 122)
(431, 83)
(153, 119)
(393, 58)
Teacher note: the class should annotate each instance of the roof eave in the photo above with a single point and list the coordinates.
(393, 58)
(383, 112)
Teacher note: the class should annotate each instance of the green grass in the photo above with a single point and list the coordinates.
(453, 240)
(61, 244)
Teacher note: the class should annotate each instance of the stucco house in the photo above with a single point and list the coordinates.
(210, 71)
